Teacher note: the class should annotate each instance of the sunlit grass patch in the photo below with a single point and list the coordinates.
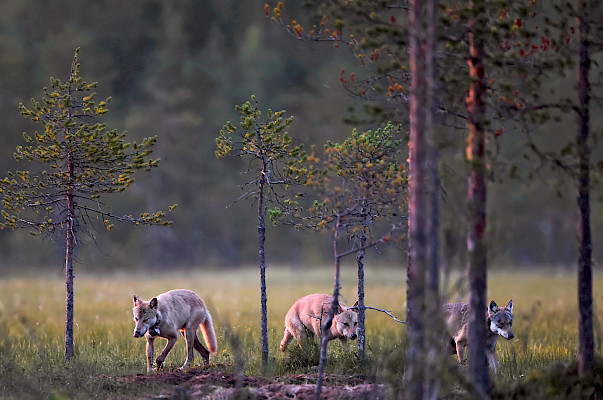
(32, 317)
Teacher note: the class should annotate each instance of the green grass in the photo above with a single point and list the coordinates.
(32, 319)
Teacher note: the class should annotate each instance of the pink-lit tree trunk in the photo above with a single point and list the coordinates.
(476, 208)
(417, 208)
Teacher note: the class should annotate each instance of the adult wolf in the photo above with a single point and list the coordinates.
(307, 314)
(166, 315)
(499, 319)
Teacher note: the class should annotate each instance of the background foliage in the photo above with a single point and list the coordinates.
(176, 70)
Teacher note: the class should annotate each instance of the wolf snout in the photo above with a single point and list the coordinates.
(137, 334)
(354, 336)
(510, 336)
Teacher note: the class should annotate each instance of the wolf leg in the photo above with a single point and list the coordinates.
(303, 336)
(460, 350)
(168, 347)
(287, 337)
(493, 360)
(150, 350)
(191, 335)
(201, 349)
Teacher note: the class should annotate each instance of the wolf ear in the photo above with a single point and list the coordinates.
(493, 307)
(355, 307)
(153, 302)
(510, 306)
(136, 300)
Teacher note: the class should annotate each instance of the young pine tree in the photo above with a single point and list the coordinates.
(363, 198)
(275, 165)
(77, 162)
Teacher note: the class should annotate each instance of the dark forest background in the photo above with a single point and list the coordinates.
(176, 69)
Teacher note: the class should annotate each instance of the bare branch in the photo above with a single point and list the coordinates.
(355, 308)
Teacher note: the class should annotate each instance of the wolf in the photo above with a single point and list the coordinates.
(500, 323)
(167, 314)
(307, 314)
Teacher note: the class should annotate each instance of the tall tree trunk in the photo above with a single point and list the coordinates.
(262, 240)
(417, 210)
(430, 124)
(69, 245)
(325, 325)
(433, 343)
(586, 350)
(476, 207)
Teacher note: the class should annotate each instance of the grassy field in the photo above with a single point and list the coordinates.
(32, 322)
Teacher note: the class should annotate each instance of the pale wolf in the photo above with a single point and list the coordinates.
(307, 314)
(166, 315)
(499, 319)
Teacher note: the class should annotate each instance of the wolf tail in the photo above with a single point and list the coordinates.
(209, 334)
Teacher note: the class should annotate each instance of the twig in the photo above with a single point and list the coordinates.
(355, 308)
(378, 309)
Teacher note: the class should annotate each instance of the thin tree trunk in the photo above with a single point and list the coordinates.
(69, 245)
(586, 349)
(476, 206)
(326, 324)
(361, 309)
(417, 210)
(433, 343)
(262, 240)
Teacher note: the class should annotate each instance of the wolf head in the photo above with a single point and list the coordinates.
(145, 315)
(347, 324)
(501, 319)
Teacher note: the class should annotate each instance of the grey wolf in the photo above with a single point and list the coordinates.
(500, 323)
(167, 314)
(306, 315)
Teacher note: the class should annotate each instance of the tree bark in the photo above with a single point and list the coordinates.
(586, 350)
(433, 342)
(430, 124)
(262, 241)
(326, 324)
(476, 206)
(417, 210)
(69, 245)
(361, 309)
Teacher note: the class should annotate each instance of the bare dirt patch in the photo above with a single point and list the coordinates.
(202, 384)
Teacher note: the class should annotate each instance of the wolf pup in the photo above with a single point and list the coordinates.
(500, 322)
(166, 315)
(307, 314)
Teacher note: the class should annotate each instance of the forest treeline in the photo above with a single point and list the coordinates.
(176, 70)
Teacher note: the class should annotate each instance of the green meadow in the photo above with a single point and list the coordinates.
(32, 326)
